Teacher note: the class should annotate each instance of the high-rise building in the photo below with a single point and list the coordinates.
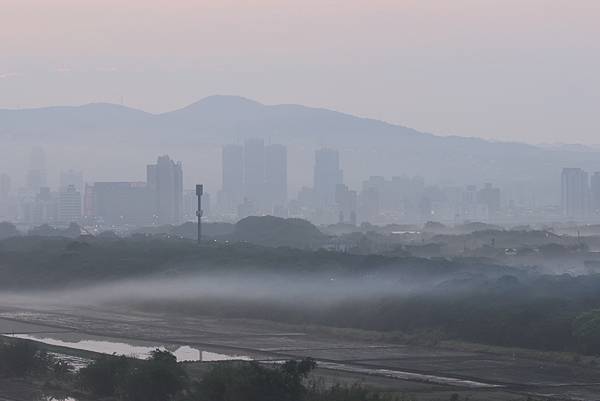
(4, 196)
(347, 204)
(327, 175)
(4, 187)
(232, 190)
(119, 203)
(490, 196)
(595, 193)
(276, 177)
(45, 207)
(369, 204)
(88, 201)
(254, 172)
(166, 179)
(574, 193)
(37, 175)
(69, 205)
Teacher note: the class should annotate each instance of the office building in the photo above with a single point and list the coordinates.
(122, 203)
(276, 180)
(45, 207)
(37, 175)
(595, 193)
(327, 175)
(346, 201)
(490, 197)
(574, 193)
(254, 172)
(232, 189)
(165, 178)
(5, 186)
(88, 201)
(69, 205)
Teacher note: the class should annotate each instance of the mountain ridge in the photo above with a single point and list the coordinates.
(367, 146)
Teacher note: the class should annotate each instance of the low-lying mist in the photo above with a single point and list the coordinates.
(294, 289)
(538, 311)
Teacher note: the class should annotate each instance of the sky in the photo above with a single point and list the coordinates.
(516, 70)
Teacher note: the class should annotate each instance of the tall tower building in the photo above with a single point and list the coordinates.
(165, 178)
(276, 177)
(37, 175)
(232, 190)
(595, 193)
(4, 187)
(574, 193)
(4, 196)
(69, 205)
(490, 196)
(327, 175)
(254, 172)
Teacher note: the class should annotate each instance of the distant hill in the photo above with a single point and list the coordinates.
(275, 232)
(368, 147)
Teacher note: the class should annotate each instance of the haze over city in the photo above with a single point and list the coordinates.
(299, 201)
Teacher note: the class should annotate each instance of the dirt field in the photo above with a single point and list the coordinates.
(417, 372)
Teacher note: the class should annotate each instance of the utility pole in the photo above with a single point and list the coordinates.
(199, 212)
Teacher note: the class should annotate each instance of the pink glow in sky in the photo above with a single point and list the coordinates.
(507, 69)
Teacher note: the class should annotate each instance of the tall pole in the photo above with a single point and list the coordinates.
(199, 212)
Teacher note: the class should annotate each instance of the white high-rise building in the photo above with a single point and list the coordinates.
(69, 205)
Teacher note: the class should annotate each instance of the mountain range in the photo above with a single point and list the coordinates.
(367, 146)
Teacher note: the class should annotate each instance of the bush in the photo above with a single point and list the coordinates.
(103, 377)
(250, 381)
(355, 392)
(586, 330)
(158, 379)
(21, 358)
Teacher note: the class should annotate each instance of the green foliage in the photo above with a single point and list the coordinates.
(586, 330)
(104, 376)
(250, 381)
(8, 230)
(275, 231)
(45, 230)
(62, 370)
(158, 379)
(22, 358)
(471, 301)
(338, 392)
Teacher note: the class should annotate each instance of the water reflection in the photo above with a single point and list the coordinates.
(58, 399)
(182, 353)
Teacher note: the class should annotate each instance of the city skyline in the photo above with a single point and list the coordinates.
(299, 200)
(254, 182)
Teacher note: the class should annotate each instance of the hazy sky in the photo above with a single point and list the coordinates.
(523, 70)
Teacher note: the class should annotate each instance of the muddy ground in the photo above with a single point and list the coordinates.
(424, 373)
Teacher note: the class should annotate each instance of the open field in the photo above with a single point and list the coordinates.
(426, 373)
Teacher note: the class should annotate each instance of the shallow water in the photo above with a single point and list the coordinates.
(59, 399)
(182, 353)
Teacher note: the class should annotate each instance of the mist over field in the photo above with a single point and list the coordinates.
(308, 200)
